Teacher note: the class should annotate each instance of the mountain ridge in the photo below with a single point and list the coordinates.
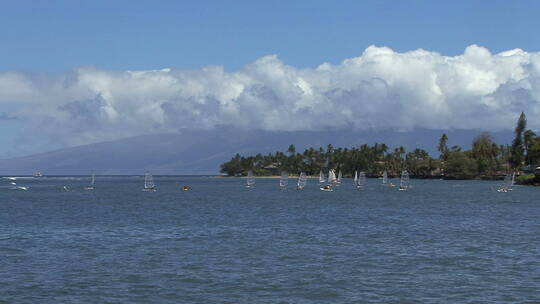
(194, 152)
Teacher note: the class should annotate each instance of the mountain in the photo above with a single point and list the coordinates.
(201, 152)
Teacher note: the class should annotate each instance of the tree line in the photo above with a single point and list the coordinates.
(485, 159)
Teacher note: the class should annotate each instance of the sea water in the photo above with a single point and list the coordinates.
(440, 242)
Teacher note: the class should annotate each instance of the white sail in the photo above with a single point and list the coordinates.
(250, 180)
(322, 178)
(149, 182)
(384, 178)
(355, 178)
(332, 176)
(339, 177)
(92, 181)
(284, 180)
(302, 180)
(404, 182)
(512, 180)
(361, 183)
(507, 183)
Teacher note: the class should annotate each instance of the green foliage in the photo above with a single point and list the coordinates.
(460, 166)
(527, 179)
(486, 159)
(443, 147)
(518, 149)
(485, 152)
(371, 159)
(528, 141)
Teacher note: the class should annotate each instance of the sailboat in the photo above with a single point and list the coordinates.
(284, 180)
(331, 181)
(507, 183)
(149, 183)
(339, 177)
(250, 180)
(91, 186)
(302, 181)
(332, 177)
(385, 180)
(355, 180)
(404, 182)
(512, 181)
(322, 178)
(361, 183)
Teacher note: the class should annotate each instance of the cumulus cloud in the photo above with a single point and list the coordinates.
(379, 89)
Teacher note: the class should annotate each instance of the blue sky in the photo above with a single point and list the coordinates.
(46, 39)
(55, 36)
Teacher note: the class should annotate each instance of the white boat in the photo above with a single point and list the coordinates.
(322, 178)
(302, 181)
(37, 174)
(508, 183)
(385, 178)
(512, 181)
(361, 183)
(404, 183)
(92, 181)
(250, 180)
(149, 185)
(331, 183)
(339, 177)
(284, 180)
(355, 180)
(332, 177)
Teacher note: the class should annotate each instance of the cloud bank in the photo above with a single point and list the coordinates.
(380, 89)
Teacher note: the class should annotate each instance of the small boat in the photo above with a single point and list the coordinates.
(355, 180)
(322, 178)
(186, 188)
(37, 174)
(361, 183)
(332, 177)
(92, 181)
(404, 183)
(302, 181)
(149, 185)
(67, 189)
(250, 180)
(385, 180)
(284, 180)
(339, 177)
(508, 183)
(327, 188)
(331, 182)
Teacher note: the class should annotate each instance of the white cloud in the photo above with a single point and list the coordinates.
(379, 89)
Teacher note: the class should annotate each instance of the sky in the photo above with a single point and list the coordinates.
(78, 72)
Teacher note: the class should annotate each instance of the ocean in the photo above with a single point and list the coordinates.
(440, 242)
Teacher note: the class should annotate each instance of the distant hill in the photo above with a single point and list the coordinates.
(201, 152)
